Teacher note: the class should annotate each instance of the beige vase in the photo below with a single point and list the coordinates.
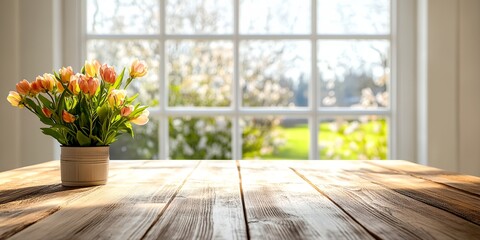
(84, 166)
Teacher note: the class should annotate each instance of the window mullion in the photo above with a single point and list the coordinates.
(163, 133)
(236, 96)
(313, 121)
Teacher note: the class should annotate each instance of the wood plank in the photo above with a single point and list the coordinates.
(462, 204)
(124, 208)
(208, 206)
(384, 212)
(463, 182)
(281, 205)
(24, 202)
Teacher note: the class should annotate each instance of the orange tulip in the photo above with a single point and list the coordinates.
(73, 85)
(36, 87)
(59, 87)
(89, 85)
(138, 69)
(15, 99)
(142, 119)
(67, 117)
(47, 112)
(126, 111)
(108, 74)
(47, 81)
(65, 74)
(23, 87)
(116, 97)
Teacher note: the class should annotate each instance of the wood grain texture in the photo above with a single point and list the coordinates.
(466, 183)
(208, 206)
(281, 205)
(124, 208)
(460, 203)
(384, 212)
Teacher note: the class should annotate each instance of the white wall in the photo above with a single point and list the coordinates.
(29, 46)
(451, 118)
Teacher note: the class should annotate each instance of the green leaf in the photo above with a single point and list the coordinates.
(82, 139)
(46, 103)
(51, 132)
(119, 80)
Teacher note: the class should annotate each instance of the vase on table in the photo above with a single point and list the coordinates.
(84, 166)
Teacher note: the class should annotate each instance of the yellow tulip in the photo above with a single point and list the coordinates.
(142, 119)
(92, 68)
(66, 73)
(138, 69)
(73, 85)
(116, 97)
(15, 99)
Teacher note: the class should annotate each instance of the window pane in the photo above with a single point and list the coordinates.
(121, 53)
(363, 137)
(143, 146)
(275, 16)
(199, 16)
(123, 16)
(354, 73)
(275, 73)
(199, 73)
(353, 16)
(275, 138)
(200, 138)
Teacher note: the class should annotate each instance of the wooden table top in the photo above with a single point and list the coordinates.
(243, 200)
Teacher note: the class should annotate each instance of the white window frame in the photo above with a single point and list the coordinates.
(401, 146)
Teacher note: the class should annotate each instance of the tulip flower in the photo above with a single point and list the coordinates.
(142, 119)
(92, 68)
(108, 73)
(116, 97)
(59, 88)
(67, 117)
(138, 69)
(23, 87)
(47, 82)
(125, 111)
(47, 112)
(89, 85)
(73, 85)
(15, 99)
(66, 73)
(36, 87)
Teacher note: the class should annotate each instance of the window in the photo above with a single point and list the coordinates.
(242, 79)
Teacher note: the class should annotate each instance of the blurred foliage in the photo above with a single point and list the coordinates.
(354, 139)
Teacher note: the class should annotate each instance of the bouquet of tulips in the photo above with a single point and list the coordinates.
(90, 108)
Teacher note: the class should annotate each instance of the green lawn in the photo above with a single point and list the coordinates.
(296, 146)
(367, 141)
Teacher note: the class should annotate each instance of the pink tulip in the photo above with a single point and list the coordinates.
(108, 74)
(126, 111)
(142, 119)
(89, 85)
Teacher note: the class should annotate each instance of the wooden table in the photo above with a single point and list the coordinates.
(243, 200)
